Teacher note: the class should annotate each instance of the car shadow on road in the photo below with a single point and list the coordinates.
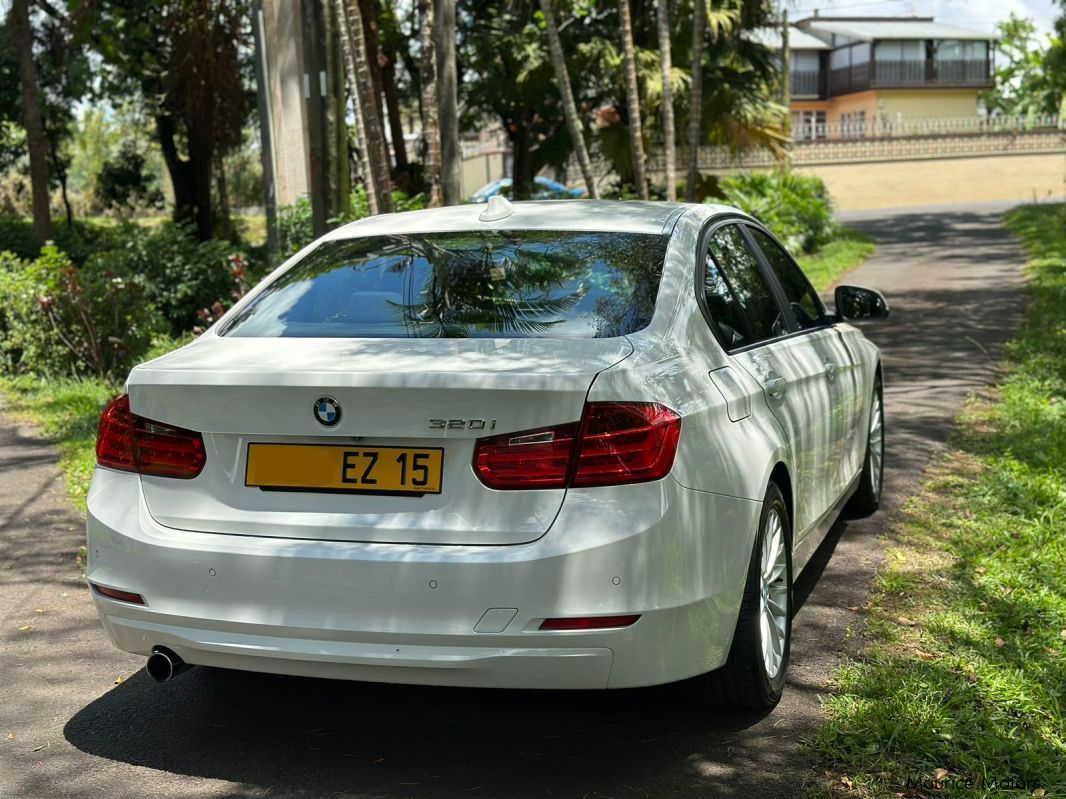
(324, 737)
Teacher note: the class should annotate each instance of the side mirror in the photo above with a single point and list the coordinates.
(854, 302)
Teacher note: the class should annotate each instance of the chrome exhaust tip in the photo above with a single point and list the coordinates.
(164, 665)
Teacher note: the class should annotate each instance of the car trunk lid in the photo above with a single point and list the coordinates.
(406, 393)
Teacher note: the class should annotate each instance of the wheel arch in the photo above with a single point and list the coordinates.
(780, 476)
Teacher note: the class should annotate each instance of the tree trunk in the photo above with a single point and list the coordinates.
(562, 77)
(695, 113)
(180, 171)
(636, 135)
(31, 115)
(430, 106)
(344, 31)
(521, 179)
(370, 10)
(202, 165)
(377, 152)
(448, 90)
(665, 66)
(225, 221)
(392, 109)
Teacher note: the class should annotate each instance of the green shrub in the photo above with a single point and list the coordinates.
(181, 276)
(86, 237)
(61, 319)
(797, 208)
(126, 183)
(295, 230)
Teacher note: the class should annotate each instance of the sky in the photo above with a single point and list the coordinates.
(981, 15)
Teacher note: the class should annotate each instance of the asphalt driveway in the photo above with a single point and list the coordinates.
(79, 719)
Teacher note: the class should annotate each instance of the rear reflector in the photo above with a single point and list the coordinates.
(135, 444)
(588, 622)
(121, 596)
(614, 443)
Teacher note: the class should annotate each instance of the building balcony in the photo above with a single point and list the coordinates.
(807, 83)
(910, 74)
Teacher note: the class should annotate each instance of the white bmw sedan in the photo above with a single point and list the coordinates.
(544, 445)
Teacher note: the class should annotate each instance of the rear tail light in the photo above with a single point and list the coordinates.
(134, 444)
(614, 443)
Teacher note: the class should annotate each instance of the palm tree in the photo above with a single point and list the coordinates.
(666, 68)
(699, 27)
(430, 105)
(562, 77)
(636, 135)
(31, 114)
(379, 182)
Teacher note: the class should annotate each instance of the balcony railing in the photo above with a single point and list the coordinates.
(881, 74)
(807, 83)
(927, 127)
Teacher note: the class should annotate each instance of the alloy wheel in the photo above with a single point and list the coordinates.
(773, 594)
(877, 443)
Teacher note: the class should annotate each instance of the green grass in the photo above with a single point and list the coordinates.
(847, 250)
(65, 411)
(964, 675)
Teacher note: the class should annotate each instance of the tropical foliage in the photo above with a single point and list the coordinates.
(795, 207)
(1026, 83)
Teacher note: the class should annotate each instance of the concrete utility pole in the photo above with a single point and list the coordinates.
(266, 143)
(786, 86)
(448, 87)
(314, 75)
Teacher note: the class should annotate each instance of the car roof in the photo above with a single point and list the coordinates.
(622, 216)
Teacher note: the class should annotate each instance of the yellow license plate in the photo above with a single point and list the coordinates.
(342, 467)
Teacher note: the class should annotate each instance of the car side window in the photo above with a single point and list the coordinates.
(722, 306)
(738, 297)
(803, 302)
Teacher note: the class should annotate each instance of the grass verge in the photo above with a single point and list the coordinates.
(66, 411)
(962, 687)
(848, 249)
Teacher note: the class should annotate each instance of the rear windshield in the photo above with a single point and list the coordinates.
(499, 284)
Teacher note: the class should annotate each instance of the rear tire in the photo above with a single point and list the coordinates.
(754, 673)
(867, 497)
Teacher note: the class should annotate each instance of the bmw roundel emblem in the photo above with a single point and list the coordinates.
(327, 411)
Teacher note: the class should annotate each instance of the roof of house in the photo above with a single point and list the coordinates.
(797, 39)
(869, 29)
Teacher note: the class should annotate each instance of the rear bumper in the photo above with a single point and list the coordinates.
(408, 613)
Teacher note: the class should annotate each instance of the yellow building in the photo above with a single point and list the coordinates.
(851, 75)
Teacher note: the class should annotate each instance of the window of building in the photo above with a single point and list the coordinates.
(808, 125)
(853, 124)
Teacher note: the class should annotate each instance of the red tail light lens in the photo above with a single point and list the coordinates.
(531, 459)
(615, 443)
(114, 438)
(135, 444)
(626, 442)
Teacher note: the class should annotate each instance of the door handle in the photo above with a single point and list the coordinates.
(831, 371)
(775, 386)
